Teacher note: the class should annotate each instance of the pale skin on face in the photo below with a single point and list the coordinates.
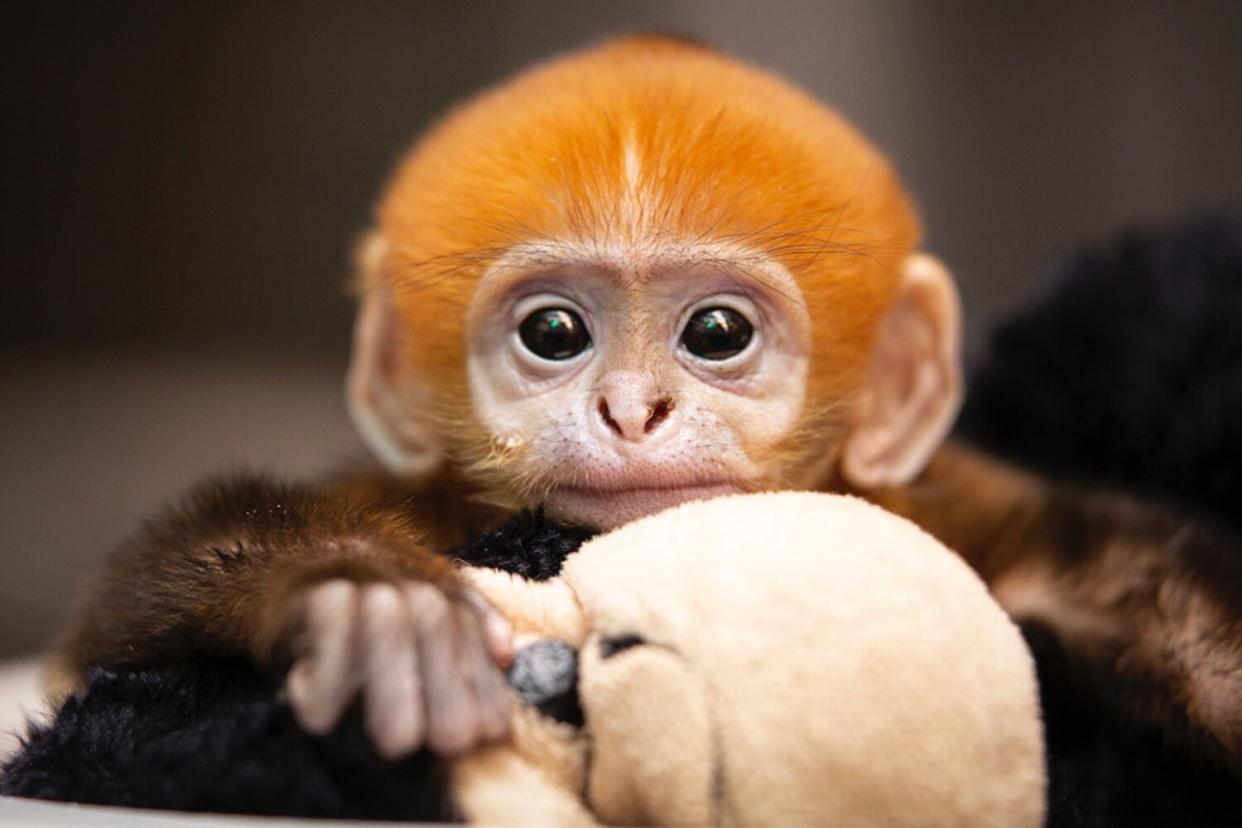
(638, 422)
(542, 413)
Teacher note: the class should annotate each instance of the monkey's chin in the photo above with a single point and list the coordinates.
(610, 508)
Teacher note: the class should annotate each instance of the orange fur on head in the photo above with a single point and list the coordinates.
(645, 144)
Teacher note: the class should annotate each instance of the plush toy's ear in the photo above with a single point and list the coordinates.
(915, 380)
(385, 396)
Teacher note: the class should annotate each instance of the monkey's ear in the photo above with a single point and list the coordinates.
(915, 380)
(384, 395)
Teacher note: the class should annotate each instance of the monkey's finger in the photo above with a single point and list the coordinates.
(487, 684)
(451, 723)
(496, 628)
(321, 684)
(393, 698)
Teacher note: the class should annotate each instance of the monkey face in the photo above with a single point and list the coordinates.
(644, 274)
(613, 388)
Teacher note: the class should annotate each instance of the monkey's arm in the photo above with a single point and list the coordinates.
(1146, 603)
(336, 584)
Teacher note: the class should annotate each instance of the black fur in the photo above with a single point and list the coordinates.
(528, 545)
(1104, 772)
(210, 736)
(1129, 372)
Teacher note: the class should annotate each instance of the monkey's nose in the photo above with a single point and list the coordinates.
(634, 422)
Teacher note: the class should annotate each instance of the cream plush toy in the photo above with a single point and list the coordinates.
(765, 659)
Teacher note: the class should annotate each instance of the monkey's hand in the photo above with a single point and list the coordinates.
(336, 586)
(424, 662)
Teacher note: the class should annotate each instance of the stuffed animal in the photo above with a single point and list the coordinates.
(763, 659)
(760, 659)
(771, 659)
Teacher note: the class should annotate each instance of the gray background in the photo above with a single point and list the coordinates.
(184, 182)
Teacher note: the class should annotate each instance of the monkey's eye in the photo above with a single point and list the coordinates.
(716, 333)
(554, 333)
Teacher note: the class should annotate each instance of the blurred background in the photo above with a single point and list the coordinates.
(185, 181)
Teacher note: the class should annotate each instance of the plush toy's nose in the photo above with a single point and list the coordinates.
(545, 676)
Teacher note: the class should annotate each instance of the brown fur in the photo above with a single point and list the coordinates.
(1146, 603)
(220, 571)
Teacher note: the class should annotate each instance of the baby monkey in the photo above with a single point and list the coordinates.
(635, 276)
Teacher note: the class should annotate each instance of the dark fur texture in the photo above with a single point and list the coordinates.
(1146, 600)
(221, 570)
(1129, 372)
(208, 735)
(528, 546)
(1105, 771)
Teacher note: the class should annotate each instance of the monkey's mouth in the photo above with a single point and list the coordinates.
(605, 507)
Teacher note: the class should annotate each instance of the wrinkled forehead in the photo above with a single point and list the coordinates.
(641, 276)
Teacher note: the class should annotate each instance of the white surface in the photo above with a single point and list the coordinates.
(20, 813)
